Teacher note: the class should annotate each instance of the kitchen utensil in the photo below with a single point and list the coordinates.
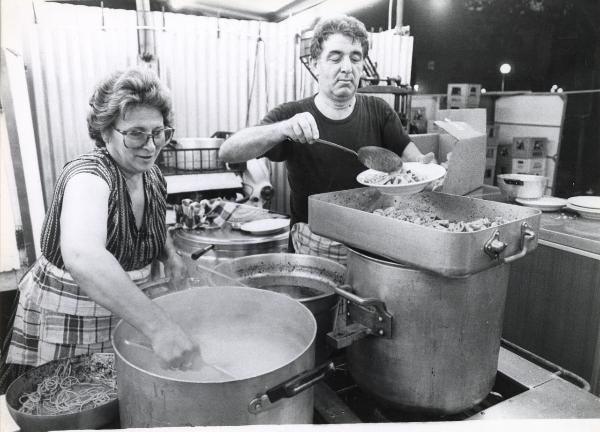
(309, 279)
(515, 186)
(427, 172)
(103, 415)
(197, 360)
(200, 252)
(265, 226)
(263, 338)
(589, 202)
(374, 157)
(545, 203)
(228, 278)
(332, 144)
(228, 243)
(379, 159)
(432, 342)
(347, 216)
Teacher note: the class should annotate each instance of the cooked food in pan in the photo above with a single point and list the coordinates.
(401, 177)
(434, 221)
(73, 388)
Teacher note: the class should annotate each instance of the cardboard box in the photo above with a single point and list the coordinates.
(529, 147)
(463, 95)
(466, 166)
(528, 166)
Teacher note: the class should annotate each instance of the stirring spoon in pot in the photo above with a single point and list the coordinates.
(223, 275)
(198, 362)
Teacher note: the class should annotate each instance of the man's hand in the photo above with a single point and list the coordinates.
(301, 128)
(426, 158)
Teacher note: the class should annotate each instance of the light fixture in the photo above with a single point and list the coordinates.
(505, 69)
(483, 91)
(416, 87)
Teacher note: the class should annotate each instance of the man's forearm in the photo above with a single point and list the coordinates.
(251, 142)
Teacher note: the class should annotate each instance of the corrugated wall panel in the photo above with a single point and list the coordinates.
(210, 65)
(64, 62)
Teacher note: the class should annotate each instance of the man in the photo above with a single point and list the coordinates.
(336, 113)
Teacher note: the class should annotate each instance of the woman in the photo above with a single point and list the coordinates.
(104, 228)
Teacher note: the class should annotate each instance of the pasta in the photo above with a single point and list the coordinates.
(401, 177)
(432, 220)
(73, 388)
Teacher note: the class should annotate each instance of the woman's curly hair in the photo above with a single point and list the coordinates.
(122, 90)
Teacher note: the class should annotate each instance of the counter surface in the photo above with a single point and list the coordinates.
(558, 228)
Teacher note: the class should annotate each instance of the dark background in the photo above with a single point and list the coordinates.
(547, 42)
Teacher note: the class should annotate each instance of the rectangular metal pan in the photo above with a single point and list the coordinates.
(346, 216)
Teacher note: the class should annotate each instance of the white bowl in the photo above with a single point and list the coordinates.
(525, 186)
(428, 172)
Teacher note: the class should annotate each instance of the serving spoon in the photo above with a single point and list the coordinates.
(376, 158)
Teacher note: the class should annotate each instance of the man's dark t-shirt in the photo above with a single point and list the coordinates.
(317, 168)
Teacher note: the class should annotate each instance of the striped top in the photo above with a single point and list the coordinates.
(133, 249)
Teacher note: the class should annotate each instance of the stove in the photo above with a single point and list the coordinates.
(526, 386)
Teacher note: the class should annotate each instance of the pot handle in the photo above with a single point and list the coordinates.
(291, 387)
(201, 252)
(527, 237)
(494, 246)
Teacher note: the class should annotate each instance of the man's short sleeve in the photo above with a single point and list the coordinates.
(281, 151)
(394, 136)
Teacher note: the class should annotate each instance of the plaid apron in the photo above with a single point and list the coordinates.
(308, 243)
(55, 319)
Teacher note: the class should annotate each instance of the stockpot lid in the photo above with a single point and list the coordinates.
(225, 237)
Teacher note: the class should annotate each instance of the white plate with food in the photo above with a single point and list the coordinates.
(546, 203)
(586, 213)
(588, 202)
(412, 178)
(265, 226)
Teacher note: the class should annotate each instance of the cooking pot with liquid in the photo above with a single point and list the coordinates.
(264, 341)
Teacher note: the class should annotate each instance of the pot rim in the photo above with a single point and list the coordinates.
(329, 261)
(120, 357)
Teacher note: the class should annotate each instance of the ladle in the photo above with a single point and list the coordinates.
(198, 361)
(376, 158)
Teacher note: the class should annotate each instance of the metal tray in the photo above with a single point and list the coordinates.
(346, 216)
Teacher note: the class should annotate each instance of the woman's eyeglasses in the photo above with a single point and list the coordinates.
(135, 139)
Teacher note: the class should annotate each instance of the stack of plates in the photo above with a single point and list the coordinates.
(587, 206)
(545, 203)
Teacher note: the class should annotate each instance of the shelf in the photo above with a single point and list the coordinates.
(200, 182)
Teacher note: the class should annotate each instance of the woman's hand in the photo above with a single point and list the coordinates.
(175, 268)
(174, 347)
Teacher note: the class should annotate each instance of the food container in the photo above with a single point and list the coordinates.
(104, 415)
(525, 186)
(347, 216)
(265, 342)
(309, 279)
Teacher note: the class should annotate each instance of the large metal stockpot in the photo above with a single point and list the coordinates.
(263, 339)
(228, 243)
(309, 279)
(439, 354)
